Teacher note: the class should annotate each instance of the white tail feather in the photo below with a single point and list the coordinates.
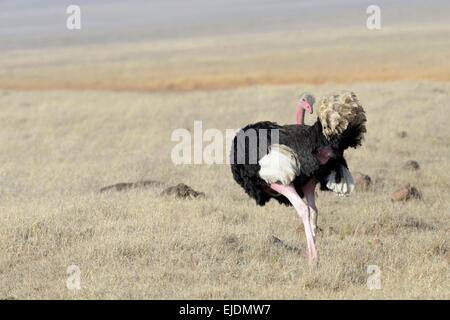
(345, 186)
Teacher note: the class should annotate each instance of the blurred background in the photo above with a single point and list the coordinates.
(200, 44)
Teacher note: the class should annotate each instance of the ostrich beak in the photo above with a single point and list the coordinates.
(308, 107)
(305, 105)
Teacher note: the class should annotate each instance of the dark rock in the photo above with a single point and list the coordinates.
(182, 191)
(411, 165)
(402, 134)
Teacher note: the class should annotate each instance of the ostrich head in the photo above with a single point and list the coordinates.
(306, 103)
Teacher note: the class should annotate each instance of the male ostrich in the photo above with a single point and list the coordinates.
(287, 165)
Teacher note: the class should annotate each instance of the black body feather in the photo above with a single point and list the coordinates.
(306, 141)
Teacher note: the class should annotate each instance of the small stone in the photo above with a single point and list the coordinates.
(406, 193)
(402, 134)
(361, 180)
(411, 165)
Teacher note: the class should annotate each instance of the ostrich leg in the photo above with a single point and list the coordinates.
(308, 191)
(303, 211)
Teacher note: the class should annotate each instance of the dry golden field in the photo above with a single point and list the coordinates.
(60, 147)
(78, 116)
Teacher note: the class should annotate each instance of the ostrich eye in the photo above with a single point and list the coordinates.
(303, 99)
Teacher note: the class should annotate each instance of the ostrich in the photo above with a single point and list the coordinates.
(306, 102)
(287, 166)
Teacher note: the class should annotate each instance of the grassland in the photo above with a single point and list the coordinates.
(58, 148)
(81, 110)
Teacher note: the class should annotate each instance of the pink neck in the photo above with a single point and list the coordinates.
(300, 115)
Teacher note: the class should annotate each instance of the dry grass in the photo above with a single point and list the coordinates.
(60, 147)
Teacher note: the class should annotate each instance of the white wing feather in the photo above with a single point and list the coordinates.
(279, 165)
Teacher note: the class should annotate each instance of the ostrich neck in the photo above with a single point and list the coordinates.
(300, 115)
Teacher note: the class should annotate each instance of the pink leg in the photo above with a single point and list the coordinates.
(302, 210)
(309, 190)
